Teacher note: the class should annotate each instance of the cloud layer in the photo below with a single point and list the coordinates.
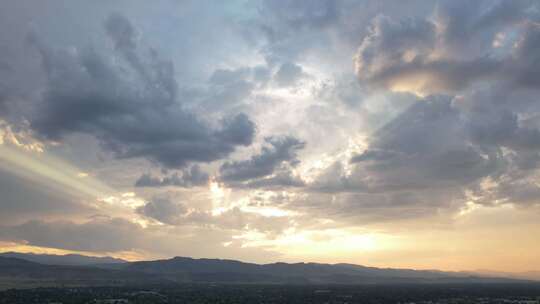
(131, 105)
(267, 128)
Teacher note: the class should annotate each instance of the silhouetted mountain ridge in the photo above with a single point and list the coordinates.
(527, 275)
(15, 272)
(21, 273)
(220, 269)
(68, 259)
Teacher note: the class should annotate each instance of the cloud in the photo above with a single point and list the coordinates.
(288, 74)
(132, 108)
(279, 180)
(238, 130)
(163, 210)
(230, 88)
(299, 14)
(502, 127)
(450, 51)
(5, 91)
(420, 162)
(440, 153)
(424, 147)
(239, 220)
(346, 209)
(481, 134)
(278, 153)
(524, 64)
(97, 235)
(472, 25)
(394, 156)
(189, 178)
(173, 213)
(346, 89)
(400, 56)
(107, 235)
(123, 36)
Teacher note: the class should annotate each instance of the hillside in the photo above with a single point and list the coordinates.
(217, 270)
(18, 273)
(15, 272)
(68, 259)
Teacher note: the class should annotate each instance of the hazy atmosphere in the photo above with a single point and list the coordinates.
(400, 134)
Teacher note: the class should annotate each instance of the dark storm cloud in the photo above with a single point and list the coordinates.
(441, 151)
(421, 162)
(124, 38)
(453, 50)
(452, 145)
(238, 130)
(4, 100)
(502, 128)
(424, 147)
(133, 108)
(396, 55)
(278, 152)
(5, 91)
(189, 178)
(524, 67)
(524, 193)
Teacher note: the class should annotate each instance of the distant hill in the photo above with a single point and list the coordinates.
(68, 259)
(16, 272)
(19, 273)
(528, 275)
(217, 270)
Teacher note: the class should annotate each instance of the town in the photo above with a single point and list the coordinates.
(270, 294)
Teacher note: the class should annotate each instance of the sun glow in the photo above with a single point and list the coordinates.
(316, 243)
(24, 248)
(128, 199)
(218, 195)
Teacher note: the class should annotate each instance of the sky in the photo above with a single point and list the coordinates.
(382, 133)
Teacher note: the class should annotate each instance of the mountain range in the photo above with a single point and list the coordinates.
(33, 270)
(527, 275)
(68, 259)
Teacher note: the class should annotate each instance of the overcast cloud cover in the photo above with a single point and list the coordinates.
(267, 130)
